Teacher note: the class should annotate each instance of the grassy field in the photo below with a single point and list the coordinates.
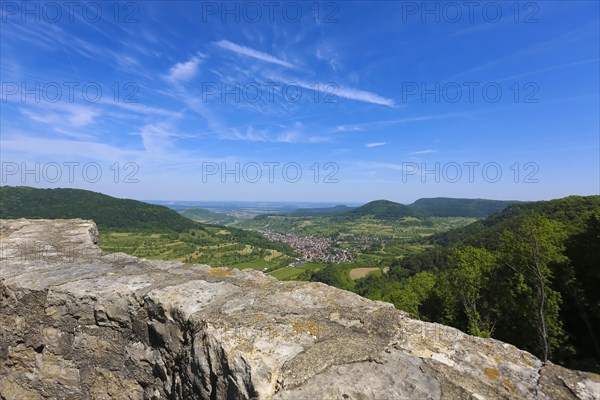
(199, 247)
(294, 273)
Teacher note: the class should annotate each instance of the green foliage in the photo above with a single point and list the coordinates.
(573, 211)
(410, 295)
(469, 275)
(447, 207)
(528, 252)
(334, 275)
(107, 212)
(579, 283)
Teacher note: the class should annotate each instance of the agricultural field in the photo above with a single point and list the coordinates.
(214, 247)
(358, 273)
(301, 272)
(407, 228)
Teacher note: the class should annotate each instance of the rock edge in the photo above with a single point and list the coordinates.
(79, 323)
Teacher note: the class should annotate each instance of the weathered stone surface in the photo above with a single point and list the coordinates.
(77, 323)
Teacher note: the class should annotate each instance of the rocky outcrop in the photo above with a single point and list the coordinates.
(78, 323)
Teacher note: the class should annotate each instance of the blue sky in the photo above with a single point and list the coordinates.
(362, 98)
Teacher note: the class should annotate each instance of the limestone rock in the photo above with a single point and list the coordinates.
(78, 323)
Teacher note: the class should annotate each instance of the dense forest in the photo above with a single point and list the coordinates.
(528, 275)
(451, 207)
(106, 211)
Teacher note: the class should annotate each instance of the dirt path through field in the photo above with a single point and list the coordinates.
(358, 273)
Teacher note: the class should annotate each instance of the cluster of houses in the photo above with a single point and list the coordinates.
(311, 248)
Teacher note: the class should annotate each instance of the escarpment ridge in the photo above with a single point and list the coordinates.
(79, 323)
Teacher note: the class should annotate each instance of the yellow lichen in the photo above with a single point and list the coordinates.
(220, 272)
(506, 383)
(309, 327)
(491, 373)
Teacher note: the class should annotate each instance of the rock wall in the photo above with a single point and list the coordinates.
(77, 323)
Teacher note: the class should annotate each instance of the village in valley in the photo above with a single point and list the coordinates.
(310, 248)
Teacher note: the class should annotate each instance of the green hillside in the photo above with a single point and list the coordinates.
(106, 211)
(451, 207)
(381, 209)
(572, 211)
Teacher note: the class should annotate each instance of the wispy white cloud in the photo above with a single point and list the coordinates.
(75, 134)
(283, 134)
(362, 95)
(325, 53)
(143, 109)
(288, 137)
(63, 114)
(428, 151)
(250, 135)
(41, 147)
(318, 139)
(375, 144)
(259, 55)
(350, 93)
(431, 117)
(156, 137)
(344, 128)
(184, 71)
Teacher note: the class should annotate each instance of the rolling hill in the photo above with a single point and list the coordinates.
(381, 209)
(571, 211)
(106, 211)
(451, 207)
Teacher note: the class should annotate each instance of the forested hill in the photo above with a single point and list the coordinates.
(106, 211)
(381, 209)
(572, 211)
(451, 207)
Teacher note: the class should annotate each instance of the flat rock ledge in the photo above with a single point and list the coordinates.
(79, 323)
